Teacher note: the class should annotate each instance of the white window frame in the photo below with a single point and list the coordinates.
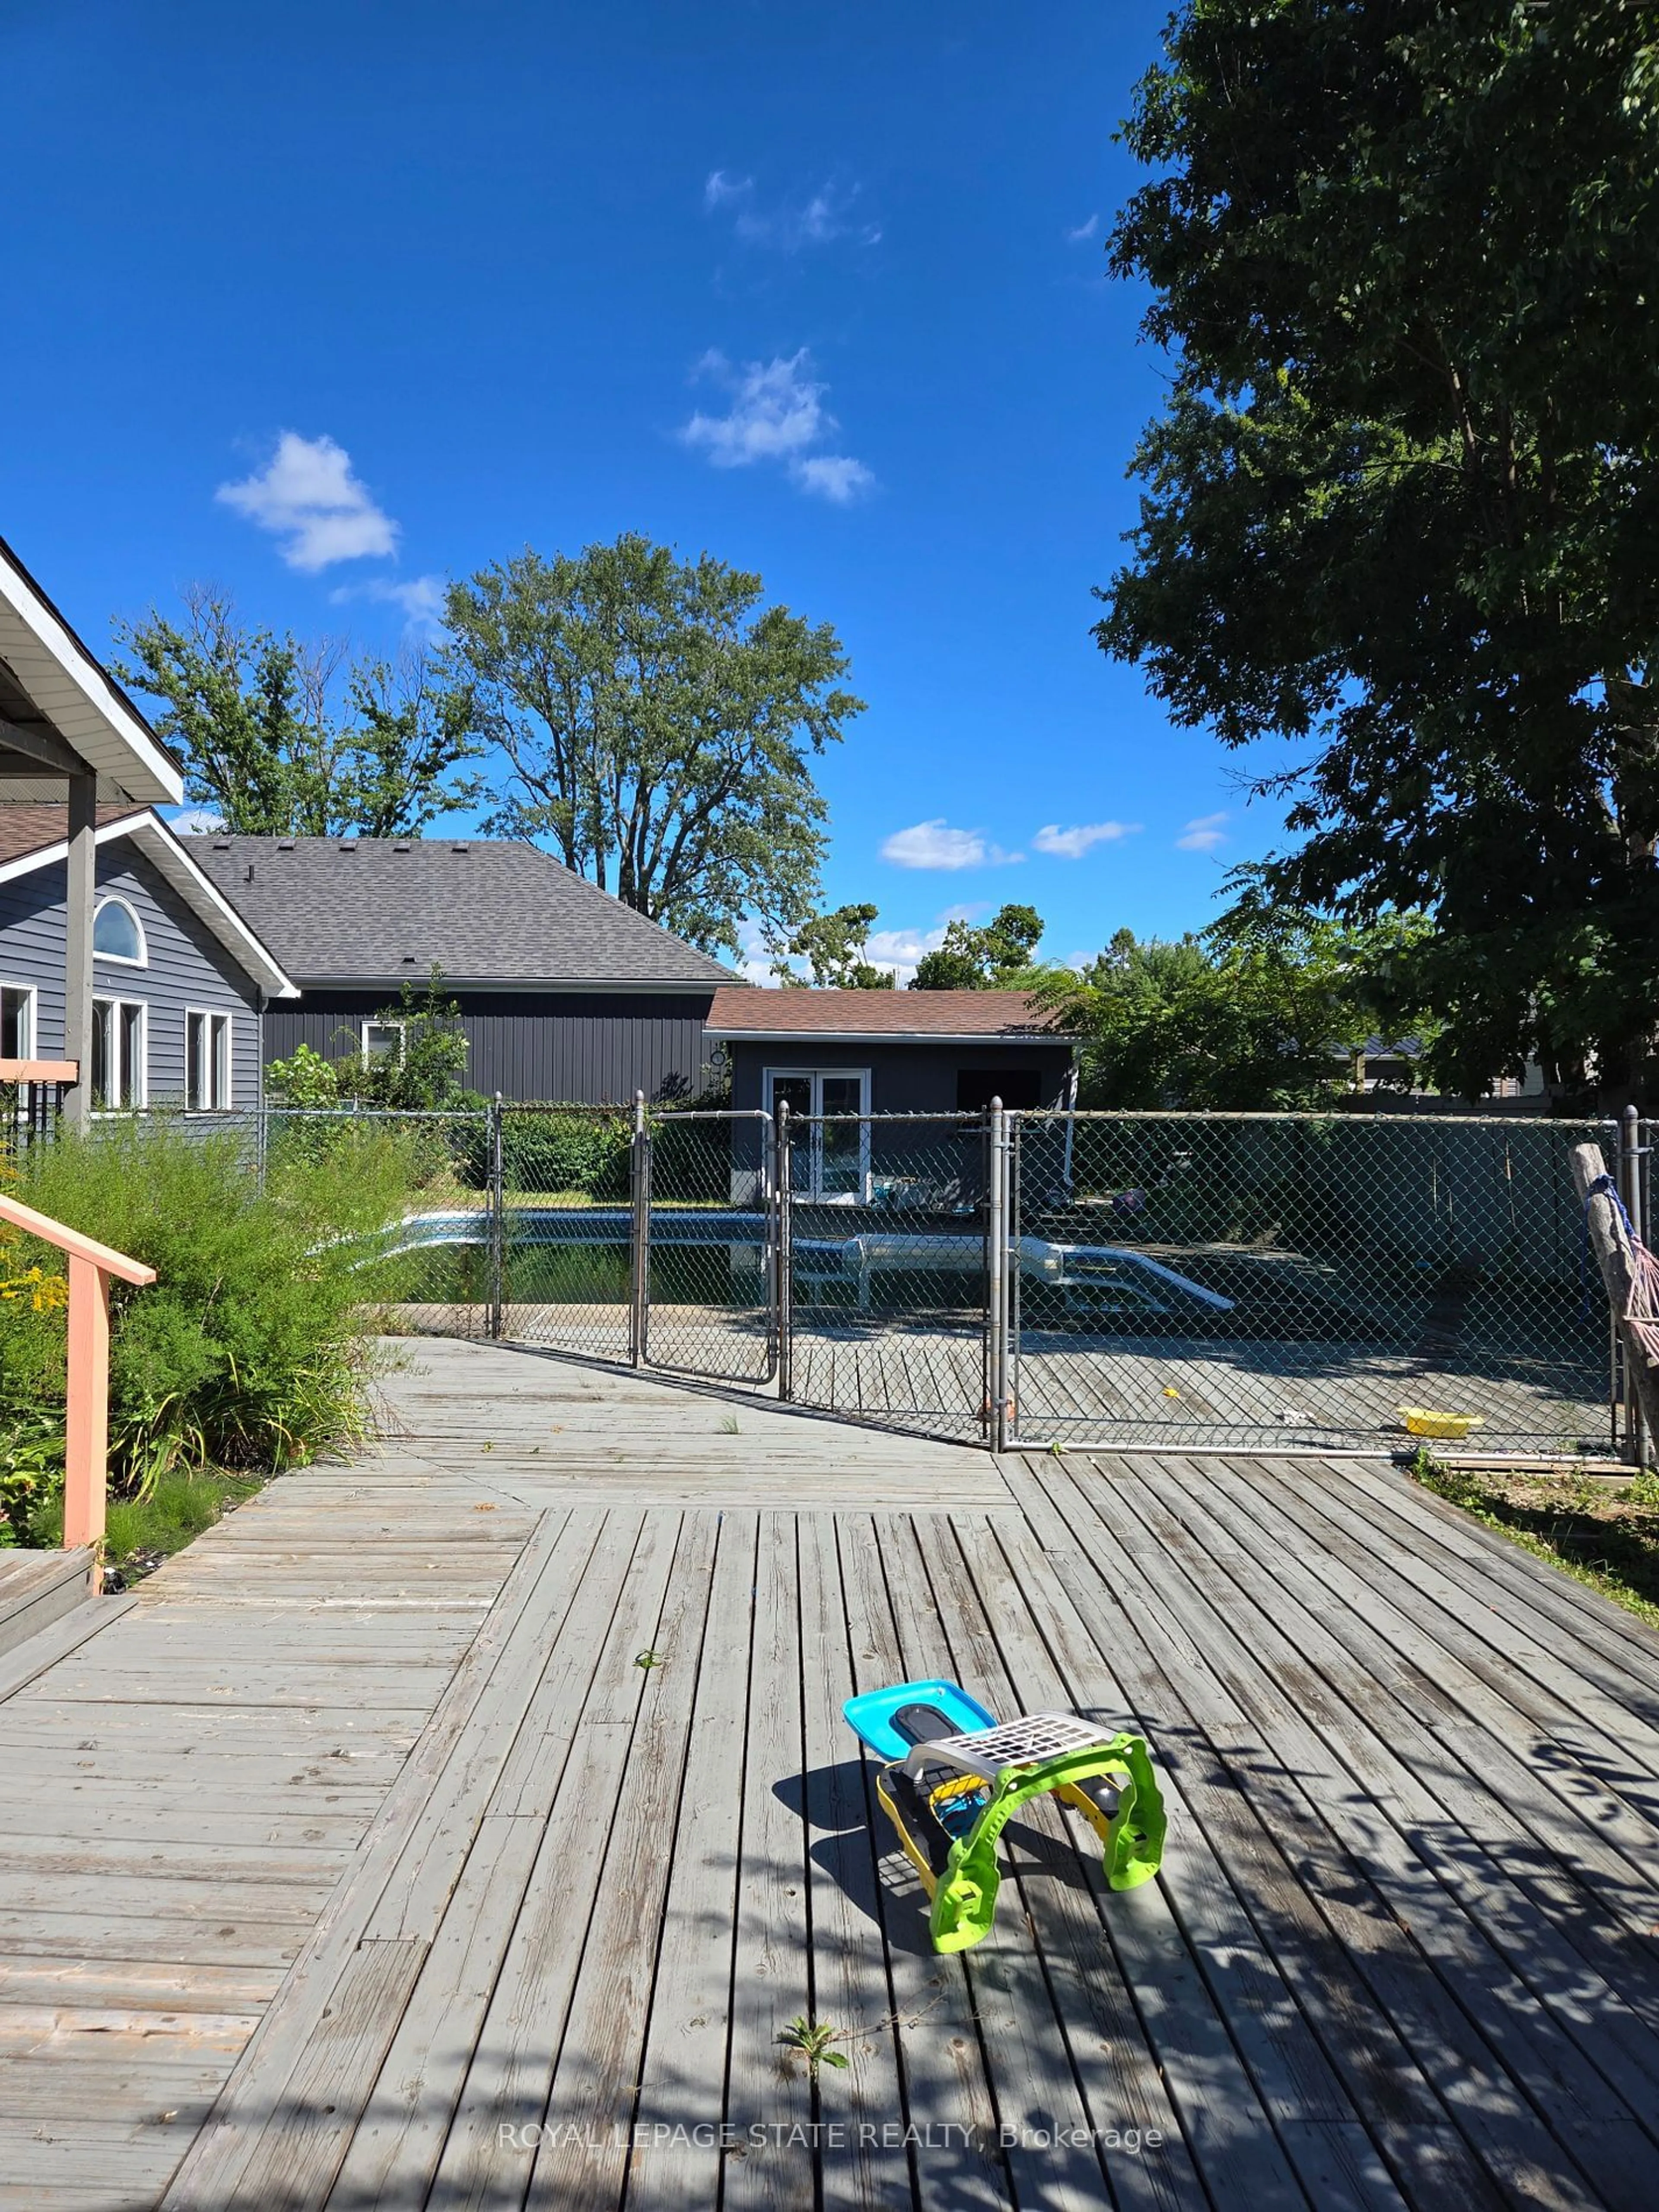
(31, 992)
(813, 1190)
(121, 959)
(364, 1053)
(117, 1032)
(210, 1015)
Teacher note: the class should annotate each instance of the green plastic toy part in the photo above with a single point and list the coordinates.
(965, 1899)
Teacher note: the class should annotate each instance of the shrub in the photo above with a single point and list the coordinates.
(249, 1350)
(583, 1151)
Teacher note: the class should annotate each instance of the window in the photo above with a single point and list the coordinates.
(384, 1041)
(830, 1159)
(16, 1021)
(119, 1073)
(207, 1063)
(116, 934)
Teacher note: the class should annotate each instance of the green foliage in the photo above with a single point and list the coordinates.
(1404, 256)
(31, 1474)
(658, 724)
(247, 1351)
(269, 744)
(998, 957)
(814, 2040)
(576, 1150)
(833, 945)
(423, 1077)
(1610, 1544)
(1261, 1012)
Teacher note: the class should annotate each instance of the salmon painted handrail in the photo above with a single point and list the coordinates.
(86, 1424)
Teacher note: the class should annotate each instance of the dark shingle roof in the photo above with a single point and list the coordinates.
(738, 1012)
(376, 910)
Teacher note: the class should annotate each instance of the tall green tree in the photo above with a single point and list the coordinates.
(1264, 1011)
(283, 739)
(1400, 512)
(999, 956)
(657, 723)
(835, 947)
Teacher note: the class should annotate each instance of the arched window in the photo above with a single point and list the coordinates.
(116, 933)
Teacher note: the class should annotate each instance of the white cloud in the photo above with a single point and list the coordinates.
(1072, 844)
(777, 413)
(194, 822)
(936, 845)
(720, 186)
(307, 495)
(1084, 230)
(1202, 835)
(421, 598)
(837, 477)
(819, 219)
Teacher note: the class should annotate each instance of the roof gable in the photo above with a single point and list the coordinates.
(36, 836)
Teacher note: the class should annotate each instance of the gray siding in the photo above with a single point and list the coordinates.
(187, 967)
(904, 1078)
(594, 1047)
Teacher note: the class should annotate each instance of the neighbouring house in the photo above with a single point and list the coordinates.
(179, 982)
(564, 992)
(69, 739)
(831, 1054)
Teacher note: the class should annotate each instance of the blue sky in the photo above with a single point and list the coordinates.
(819, 290)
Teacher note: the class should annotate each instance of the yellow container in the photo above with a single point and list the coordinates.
(1423, 1421)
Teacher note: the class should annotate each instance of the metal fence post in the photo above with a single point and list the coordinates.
(783, 1280)
(1630, 1189)
(996, 1284)
(639, 1251)
(497, 1222)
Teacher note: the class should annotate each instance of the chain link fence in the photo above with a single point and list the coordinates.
(1260, 1280)
(1246, 1282)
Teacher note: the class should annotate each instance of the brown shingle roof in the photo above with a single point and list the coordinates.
(32, 829)
(741, 1011)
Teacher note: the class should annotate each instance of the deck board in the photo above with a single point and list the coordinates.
(355, 1861)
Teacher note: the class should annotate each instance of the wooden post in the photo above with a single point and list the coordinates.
(77, 945)
(1611, 1245)
(86, 1422)
(86, 1426)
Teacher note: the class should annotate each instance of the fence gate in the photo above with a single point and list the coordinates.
(705, 1241)
(883, 1303)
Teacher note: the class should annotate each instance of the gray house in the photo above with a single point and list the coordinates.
(564, 992)
(179, 982)
(70, 737)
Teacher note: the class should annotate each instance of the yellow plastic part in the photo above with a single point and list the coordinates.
(1424, 1421)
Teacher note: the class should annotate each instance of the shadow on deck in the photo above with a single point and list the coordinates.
(360, 1863)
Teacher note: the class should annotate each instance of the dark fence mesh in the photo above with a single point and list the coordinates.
(1246, 1281)
(1302, 1278)
(886, 1269)
(709, 1305)
(567, 1227)
(429, 1272)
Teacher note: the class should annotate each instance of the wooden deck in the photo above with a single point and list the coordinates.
(356, 1862)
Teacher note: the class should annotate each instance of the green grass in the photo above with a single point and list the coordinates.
(1605, 1538)
(177, 1510)
(142, 1531)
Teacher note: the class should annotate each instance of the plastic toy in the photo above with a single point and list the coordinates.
(953, 1776)
(1424, 1421)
